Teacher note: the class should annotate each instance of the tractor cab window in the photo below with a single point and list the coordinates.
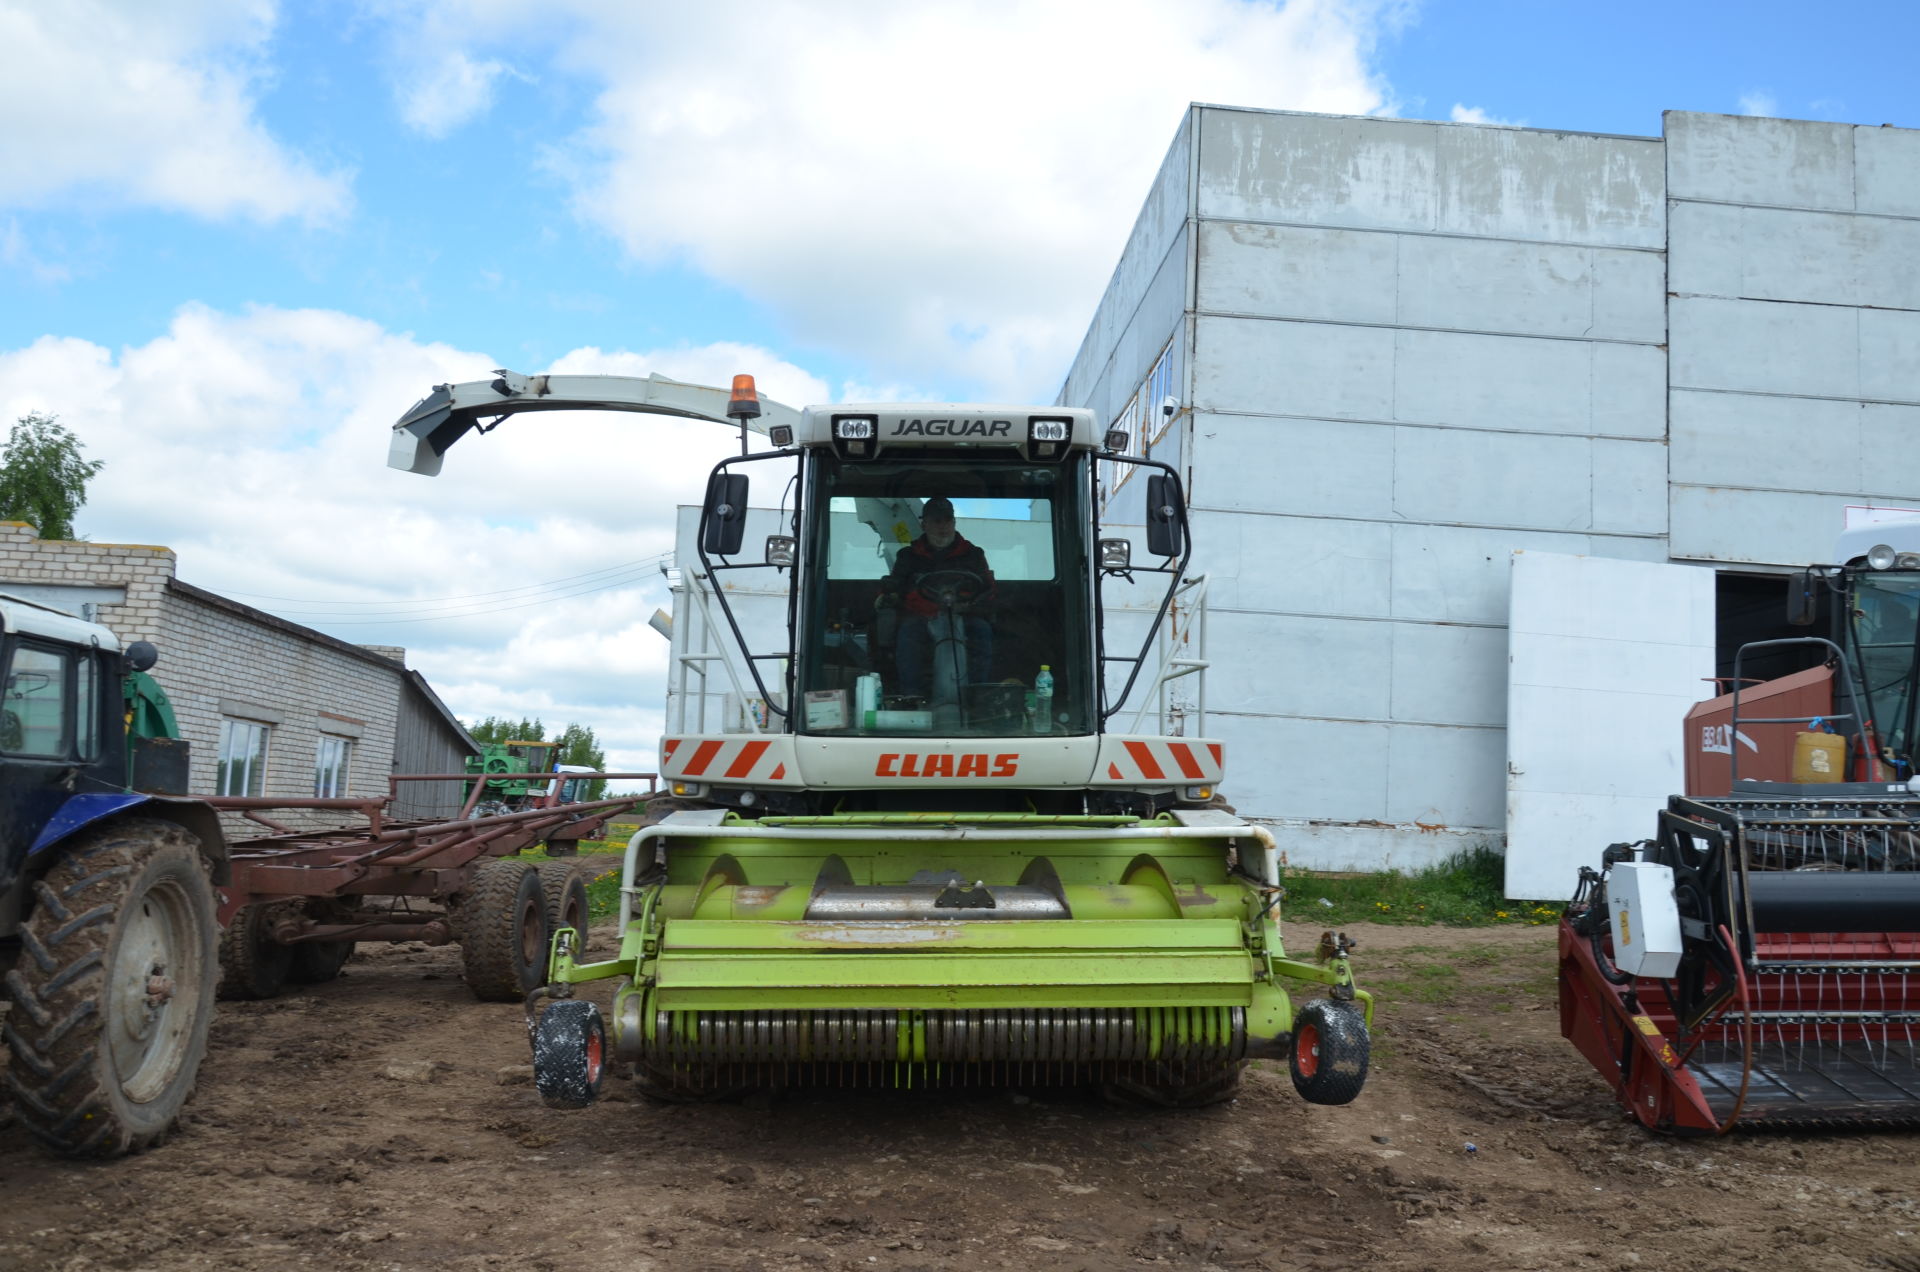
(952, 602)
(1885, 629)
(36, 706)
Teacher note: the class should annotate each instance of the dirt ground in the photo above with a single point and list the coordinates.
(383, 1121)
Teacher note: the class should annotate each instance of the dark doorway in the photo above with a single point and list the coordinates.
(1750, 607)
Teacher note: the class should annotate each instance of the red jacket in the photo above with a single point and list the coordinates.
(919, 559)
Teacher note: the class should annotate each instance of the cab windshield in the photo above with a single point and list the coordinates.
(953, 589)
(1884, 623)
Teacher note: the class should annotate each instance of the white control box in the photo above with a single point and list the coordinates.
(1646, 920)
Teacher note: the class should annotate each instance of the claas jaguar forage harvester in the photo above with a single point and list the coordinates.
(918, 851)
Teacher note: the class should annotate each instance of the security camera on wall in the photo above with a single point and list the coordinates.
(1167, 407)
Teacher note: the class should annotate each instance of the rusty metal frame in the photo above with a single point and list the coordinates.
(430, 859)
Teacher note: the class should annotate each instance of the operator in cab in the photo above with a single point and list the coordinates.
(944, 588)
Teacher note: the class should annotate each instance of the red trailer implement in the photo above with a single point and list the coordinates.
(298, 900)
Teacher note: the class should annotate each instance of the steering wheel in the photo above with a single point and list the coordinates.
(946, 591)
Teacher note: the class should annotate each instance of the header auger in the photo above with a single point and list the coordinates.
(917, 847)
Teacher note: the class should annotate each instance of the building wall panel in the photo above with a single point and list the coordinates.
(1303, 769)
(1764, 347)
(1828, 258)
(1890, 355)
(1523, 183)
(1538, 289)
(1518, 479)
(1449, 675)
(1316, 170)
(1291, 271)
(1741, 439)
(1445, 777)
(1542, 386)
(1764, 527)
(1293, 368)
(1299, 665)
(1308, 565)
(1333, 468)
(1769, 162)
(1886, 171)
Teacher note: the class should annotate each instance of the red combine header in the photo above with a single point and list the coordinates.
(1757, 962)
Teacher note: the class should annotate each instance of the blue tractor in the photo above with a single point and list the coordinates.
(107, 906)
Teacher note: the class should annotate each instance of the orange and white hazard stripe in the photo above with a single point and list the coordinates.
(1173, 760)
(724, 759)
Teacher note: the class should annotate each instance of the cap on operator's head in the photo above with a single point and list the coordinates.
(938, 508)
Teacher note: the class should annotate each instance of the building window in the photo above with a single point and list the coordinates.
(330, 767)
(243, 758)
(1143, 419)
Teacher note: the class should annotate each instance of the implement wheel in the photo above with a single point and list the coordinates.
(252, 963)
(566, 897)
(503, 931)
(317, 962)
(1330, 1051)
(113, 990)
(569, 1054)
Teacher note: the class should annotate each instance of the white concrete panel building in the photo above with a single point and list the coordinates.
(1386, 355)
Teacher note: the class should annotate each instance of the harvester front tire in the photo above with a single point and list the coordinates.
(566, 898)
(1331, 1048)
(569, 1054)
(504, 936)
(113, 991)
(1192, 1087)
(252, 963)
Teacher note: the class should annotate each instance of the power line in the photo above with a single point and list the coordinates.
(499, 609)
(434, 600)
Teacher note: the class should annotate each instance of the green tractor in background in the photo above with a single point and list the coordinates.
(507, 767)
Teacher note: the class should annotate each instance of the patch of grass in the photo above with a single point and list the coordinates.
(1464, 890)
(603, 893)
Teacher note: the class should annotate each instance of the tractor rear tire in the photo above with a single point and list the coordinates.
(1189, 1087)
(1331, 1049)
(113, 990)
(252, 963)
(504, 937)
(566, 895)
(569, 1054)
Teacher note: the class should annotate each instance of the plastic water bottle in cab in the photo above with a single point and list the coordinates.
(1043, 700)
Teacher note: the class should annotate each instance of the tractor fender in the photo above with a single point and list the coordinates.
(198, 820)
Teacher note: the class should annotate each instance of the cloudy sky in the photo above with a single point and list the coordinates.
(239, 237)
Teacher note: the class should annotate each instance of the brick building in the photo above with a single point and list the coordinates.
(270, 707)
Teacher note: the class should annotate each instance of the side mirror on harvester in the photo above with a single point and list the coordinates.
(1803, 598)
(724, 518)
(1165, 516)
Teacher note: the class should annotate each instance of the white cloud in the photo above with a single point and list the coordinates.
(150, 105)
(254, 445)
(1478, 115)
(437, 98)
(17, 253)
(1759, 102)
(943, 186)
